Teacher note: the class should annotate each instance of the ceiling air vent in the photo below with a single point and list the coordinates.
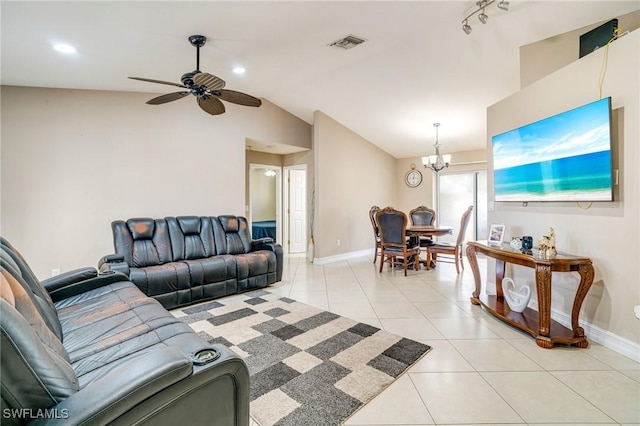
(348, 42)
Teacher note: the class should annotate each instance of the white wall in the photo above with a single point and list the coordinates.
(351, 175)
(543, 57)
(608, 233)
(75, 160)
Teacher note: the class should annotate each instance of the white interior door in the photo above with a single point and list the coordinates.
(297, 210)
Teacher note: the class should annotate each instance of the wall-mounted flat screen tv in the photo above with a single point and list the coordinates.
(566, 157)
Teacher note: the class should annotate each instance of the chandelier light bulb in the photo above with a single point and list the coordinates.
(483, 17)
(466, 28)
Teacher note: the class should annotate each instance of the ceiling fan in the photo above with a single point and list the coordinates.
(207, 88)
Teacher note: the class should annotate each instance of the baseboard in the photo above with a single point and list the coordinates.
(343, 256)
(598, 335)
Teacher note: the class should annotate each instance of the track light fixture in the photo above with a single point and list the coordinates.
(482, 16)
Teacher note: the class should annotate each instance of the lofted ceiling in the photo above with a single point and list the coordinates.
(416, 67)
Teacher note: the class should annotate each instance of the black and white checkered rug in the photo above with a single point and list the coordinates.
(307, 366)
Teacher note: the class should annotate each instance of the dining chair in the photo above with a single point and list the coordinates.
(376, 231)
(423, 216)
(447, 252)
(393, 238)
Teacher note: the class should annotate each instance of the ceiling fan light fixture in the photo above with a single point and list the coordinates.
(207, 88)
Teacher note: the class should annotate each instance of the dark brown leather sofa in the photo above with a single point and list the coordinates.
(85, 348)
(188, 259)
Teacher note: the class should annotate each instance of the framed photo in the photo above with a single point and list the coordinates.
(496, 233)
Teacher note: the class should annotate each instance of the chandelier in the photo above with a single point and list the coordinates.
(483, 17)
(436, 162)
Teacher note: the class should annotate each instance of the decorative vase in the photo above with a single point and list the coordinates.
(517, 299)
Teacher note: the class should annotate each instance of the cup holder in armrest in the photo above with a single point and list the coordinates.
(204, 356)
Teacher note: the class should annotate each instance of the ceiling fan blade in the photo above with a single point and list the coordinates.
(211, 104)
(167, 98)
(210, 81)
(158, 81)
(239, 98)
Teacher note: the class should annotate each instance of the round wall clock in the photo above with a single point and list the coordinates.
(413, 178)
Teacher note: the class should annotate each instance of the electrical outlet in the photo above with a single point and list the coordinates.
(338, 242)
(636, 310)
(55, 271)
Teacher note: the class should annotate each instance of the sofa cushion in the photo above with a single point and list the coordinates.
(169, 283)
(255, 268)
(105, 326)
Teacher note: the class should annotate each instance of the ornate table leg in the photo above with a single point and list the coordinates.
(543, 287)
(586, 279)
(500, 265)
(471, 257)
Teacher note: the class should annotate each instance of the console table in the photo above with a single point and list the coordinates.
(539, 324)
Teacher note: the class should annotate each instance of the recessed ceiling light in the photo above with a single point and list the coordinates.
(239, 70)
(64, 48)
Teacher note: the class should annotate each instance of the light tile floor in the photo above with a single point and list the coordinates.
(480, 370)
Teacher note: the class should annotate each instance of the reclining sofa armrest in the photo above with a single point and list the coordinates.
(75, 288)
(113, 262)
(69, 277)
(158, 388)
(260, 241)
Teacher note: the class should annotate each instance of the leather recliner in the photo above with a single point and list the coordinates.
(85, 348)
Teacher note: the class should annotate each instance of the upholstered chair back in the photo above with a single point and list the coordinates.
(422, 216)
(372, 216)
(235, 237)
(464, 222)
(191, 237)
(36, 369)
(393, 226)
(142, 241)
(13, 261)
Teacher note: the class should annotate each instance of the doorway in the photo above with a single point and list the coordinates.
(295, 207)
(456, 192)
(265, 201)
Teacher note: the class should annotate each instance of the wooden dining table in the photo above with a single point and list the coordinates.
(428, 231)
(414, 232)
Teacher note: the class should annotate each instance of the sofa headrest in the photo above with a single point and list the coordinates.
(5, 291)
(141, 229)
(229, 223)
(36, 370)
(190, 225)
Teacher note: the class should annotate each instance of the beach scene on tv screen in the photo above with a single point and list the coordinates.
(566, 157)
